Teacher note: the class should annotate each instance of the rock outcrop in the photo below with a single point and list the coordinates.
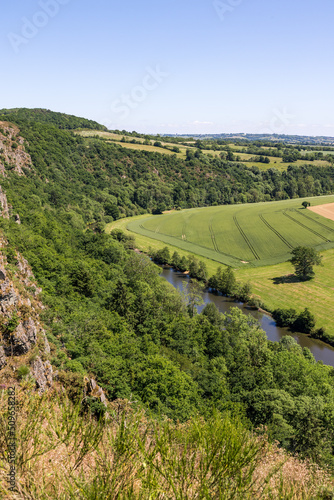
(2, 274)
(20, 328)
(8, 297)
(4, 209)
(42, 372)
(3, 360)
(95, 391)
(12, 150)
(22, 339)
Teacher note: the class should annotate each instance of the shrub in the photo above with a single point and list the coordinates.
(285, 317)
(22, 372)
(73, 384)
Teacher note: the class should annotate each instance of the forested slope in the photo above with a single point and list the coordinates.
(110, 315)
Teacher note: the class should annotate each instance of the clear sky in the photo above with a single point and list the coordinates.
(179, 66)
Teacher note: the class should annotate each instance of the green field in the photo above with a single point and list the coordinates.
(250, 235)
(317, 294)
(275, 162)
(139, 146)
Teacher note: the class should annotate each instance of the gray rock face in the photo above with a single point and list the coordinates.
(17, 157)
(3, 204)
(23, 267)
(46, 343)
(3, 360)
(31, 331)
(22, 339)
(2, 274)
(43, 374)
(8, 297)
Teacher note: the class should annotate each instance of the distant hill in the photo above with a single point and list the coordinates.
(59, 120)
(290, 139)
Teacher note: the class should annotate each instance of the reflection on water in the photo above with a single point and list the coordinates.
(319, 350)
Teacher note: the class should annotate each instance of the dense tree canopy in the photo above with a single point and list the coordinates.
(110, 315)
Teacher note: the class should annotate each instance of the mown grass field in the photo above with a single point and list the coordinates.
(317, 294)
(251, 235)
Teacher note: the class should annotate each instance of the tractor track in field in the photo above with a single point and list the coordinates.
(317, 222)
(213, 238)
(178, 238)
(306, 227)
(275, 231)
(241, 231)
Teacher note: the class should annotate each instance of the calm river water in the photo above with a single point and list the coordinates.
(319, 350)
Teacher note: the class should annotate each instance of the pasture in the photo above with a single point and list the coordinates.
(139, 145)
(250, 235)
(317, 294)
(243, 157)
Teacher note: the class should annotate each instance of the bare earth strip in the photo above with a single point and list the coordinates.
(324, 210)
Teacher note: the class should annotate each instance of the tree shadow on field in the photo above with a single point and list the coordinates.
(288, 278)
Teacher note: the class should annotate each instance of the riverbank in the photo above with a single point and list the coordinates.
(320, 350)
(267, 283)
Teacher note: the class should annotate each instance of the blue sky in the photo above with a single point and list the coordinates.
(186, 66)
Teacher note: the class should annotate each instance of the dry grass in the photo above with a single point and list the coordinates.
(62, 455)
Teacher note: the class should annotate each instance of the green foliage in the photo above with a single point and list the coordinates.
(303, 322)
(162, 256)
(108, 309)
(22, 372)
(303, 259)
(12, 323)
(73, 384)
(193, 291)
(60, 120)
(11, 255)
(284, 317)
(92, 406)
(165, 389)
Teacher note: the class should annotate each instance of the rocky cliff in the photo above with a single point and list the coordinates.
(22, 338)
(4, 210)
(24, 349)
(12, 150)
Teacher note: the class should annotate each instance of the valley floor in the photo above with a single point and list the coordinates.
(267, 282)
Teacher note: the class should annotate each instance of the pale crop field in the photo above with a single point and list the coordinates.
(251, 235)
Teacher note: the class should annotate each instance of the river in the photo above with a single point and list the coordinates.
(320, 350)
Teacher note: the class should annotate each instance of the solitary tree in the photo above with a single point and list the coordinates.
(303, 259)
(306, 204)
